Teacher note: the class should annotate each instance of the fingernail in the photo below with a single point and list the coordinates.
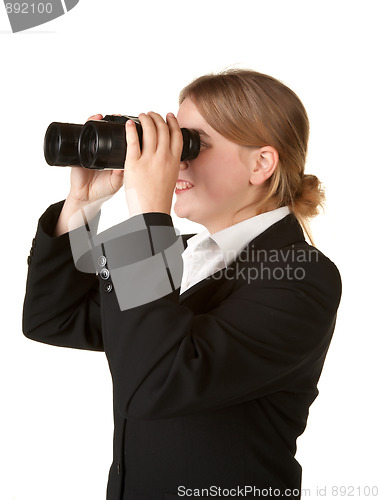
(171, 115)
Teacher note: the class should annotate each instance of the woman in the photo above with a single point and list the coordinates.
(212, 381)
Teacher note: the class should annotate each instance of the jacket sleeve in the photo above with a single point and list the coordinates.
(167, 361)
(61, 305)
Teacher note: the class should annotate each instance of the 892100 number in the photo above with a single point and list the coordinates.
(33, 8)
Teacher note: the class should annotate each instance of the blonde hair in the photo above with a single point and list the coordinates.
(255, 110)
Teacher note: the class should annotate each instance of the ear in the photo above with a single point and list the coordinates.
(264, 163)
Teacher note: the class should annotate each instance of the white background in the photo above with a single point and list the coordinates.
(131, 57)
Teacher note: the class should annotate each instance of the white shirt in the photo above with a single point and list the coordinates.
(207, 253)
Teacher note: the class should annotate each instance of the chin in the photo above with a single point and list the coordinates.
(185, 212)
(181, 212)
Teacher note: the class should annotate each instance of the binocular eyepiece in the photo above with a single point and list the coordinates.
(101, 144)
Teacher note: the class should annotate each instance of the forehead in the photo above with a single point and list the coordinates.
(188, 116)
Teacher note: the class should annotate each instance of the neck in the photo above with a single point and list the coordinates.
(213, 226)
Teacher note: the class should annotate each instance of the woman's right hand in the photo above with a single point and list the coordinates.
(89, 188)
(90, 185)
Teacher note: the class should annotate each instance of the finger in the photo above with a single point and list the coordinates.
(95, 117)
(133, 145)
(149, 142)
(176, 137)
(117, 179)
(162, 130)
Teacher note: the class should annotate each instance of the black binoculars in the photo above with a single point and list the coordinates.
(101, 144)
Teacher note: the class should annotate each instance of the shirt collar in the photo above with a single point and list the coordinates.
(198, 239)
(233, 239)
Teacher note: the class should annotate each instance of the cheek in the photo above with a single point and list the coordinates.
(222, 175)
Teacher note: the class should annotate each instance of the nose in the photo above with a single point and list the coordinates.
(183, 165)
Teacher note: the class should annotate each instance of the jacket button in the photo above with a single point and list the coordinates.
(108, 287)
(118, 468)
(104, 273)
(32, 251)
(102, 261)
(29, 260)
(33, 242)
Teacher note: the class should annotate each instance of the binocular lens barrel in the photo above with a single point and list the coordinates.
(101, 144)
(61, 144)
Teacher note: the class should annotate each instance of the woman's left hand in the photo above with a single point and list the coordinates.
(150, 175)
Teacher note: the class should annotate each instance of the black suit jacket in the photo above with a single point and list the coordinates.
(212, 387)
